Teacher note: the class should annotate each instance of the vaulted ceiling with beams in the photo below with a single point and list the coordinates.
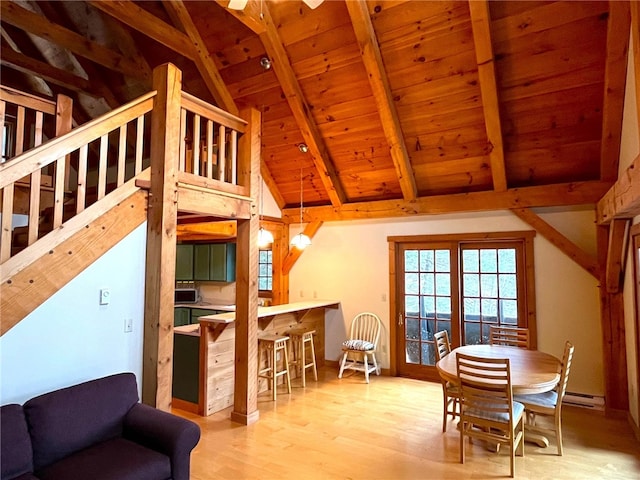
(406, 106)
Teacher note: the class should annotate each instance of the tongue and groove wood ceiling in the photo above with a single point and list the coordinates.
(406, 106)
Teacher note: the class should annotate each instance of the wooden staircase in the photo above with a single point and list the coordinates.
(98, 190)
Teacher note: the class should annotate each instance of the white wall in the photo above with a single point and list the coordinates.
(71, 338)
(349, 262)
(629, 149)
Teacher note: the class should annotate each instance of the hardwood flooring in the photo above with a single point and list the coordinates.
(392, 429)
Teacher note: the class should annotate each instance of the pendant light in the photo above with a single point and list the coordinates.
(301, 241)
(265, 237)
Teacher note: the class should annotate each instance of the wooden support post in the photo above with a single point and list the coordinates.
(613, 335)
(245, 399)
(64, 123)
(161, 239)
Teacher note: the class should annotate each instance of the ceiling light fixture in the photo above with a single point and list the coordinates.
(265, 63)
(301, 241)
(237, 4)
(303, 148)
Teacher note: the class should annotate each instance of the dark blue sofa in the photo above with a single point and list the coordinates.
(95, 430)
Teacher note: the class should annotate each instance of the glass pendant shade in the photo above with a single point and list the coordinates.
(301, 241)
(265, 237)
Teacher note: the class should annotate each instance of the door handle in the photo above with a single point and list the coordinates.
(400, 319)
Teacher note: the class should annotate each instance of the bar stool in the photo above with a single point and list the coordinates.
(271, 345)
(300, 337)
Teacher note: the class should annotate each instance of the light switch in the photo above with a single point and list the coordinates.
(105, 296)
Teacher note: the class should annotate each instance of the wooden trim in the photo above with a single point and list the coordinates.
(615, 77)
(481, 26)
(635, 236)
(185, 406)
(573, 251)
(27, 281)
(372, 60)
(292, 257)
(459, 237)
(161, 239)
(616, 255)
(395, 307)
(622, 200)
(579, 193)
(11, 95)
(613, 335)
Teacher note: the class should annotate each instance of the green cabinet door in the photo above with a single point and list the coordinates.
(223, 262)
(184, 261)
(181, 316)
(201, 261)
(196, 313)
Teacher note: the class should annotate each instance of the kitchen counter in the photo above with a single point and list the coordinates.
(213, 343)
(204, 305)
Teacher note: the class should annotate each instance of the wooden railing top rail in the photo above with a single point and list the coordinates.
(58, 147)
(211, 112)
(11, 95)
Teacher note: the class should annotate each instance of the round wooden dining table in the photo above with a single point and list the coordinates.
(532, 371)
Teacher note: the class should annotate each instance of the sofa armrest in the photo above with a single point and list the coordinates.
(164, 432)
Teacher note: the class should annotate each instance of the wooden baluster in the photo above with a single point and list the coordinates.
(3, 107)
(183, 140)
(196, 144)
(209, 149)
(19, 131)
(58, 192)
(222, 146)
(122, 154)
(139, 144)
(82, 178)
(102, 166)
(34, 193)
(233, 157)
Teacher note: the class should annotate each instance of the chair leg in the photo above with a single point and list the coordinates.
(461, 442)
(375, 363)
(366, 367)
(286, 365)
(313, 359)
(344, 361)
(558, 422)
(274, 379)
(444, 414)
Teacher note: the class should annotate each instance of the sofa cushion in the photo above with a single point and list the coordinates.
(73, 418)
(15, 444)
(116, 459)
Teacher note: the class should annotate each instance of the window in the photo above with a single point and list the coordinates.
(462, 284)
(265, 270)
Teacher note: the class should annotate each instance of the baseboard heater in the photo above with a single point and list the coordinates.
(593, 402)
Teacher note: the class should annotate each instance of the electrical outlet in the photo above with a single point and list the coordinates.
(301, 294)
(384, 349)
(105, 296)
(128, 325)
(384, 297)
(315, 294)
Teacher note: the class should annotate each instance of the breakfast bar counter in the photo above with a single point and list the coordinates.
(215, 336)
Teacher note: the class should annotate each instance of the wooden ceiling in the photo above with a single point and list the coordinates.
(407, 107)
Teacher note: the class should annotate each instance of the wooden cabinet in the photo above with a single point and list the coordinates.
(184, 261)
(214, 262)
(181, 316)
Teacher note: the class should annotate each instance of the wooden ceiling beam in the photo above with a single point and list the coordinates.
(42, 27)
(615, 77)
(616, 255)
(22, 63)
(258, 18)
(372, 59)
(271, 185)
(623, 198)
(481, 26)
(203, 60)
(570, 249)
(226, 229)
(564, 194)
(139, 19)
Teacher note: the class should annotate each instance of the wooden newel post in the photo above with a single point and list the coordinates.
(161, 238)
(245, 400)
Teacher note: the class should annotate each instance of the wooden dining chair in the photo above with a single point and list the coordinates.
(510, 336)
(487, 409)
(450, 392)
(361, 346)
(549, 403)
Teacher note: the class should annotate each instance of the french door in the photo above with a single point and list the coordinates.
(462, 287)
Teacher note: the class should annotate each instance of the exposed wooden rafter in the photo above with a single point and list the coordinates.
(573, 251)
(614, 86)
(481, 25)
(372, 59)
(294, 253)
(41, 27)
(260, 17)
(203, 60)
(579, 193)
(139, 19)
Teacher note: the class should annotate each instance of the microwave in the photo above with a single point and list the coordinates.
(186, 295)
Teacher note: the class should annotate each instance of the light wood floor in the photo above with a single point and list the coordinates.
(392, 429)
